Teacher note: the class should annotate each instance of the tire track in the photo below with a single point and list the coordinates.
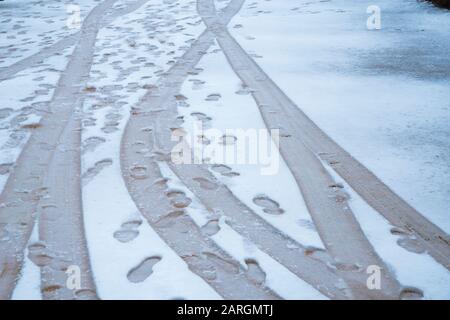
(61, 45)
(310, 264)
(337, 226)
(48, 171)
(300, 132)
(149, 191)
(61, 227)
(157, 114)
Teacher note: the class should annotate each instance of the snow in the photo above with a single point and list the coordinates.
(381, 94)
(278, 278)
(411, 269)
(388, 107)
(29, 285)
(25, 104)
(235, 111)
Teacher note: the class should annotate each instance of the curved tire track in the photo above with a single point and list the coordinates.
(61, 45)
(148, 190)
(276, 108)
(49, 165)
(61, 226)
(157, 112)
(337, 226)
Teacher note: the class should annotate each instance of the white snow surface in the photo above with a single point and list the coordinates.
(278, 278)
(106, 201)
(29, 26)
(381, 94)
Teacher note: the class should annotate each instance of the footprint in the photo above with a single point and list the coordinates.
(132, 224)
(213, 97)
(85, 294)
(89, 122)
(114, 116)
(255, 272)
(128, 231)
(203, 118)
(308, 224)
(224, 170)
(5, 112)
(139, 172)
(347, 266)
(143, 270)
(270, 206)
(180, 97)
(230, 266)
(336, 186)
(195, 71)
(169, 219)
(396, 231)
(411, 244)
(197, 84)
(162, 182)
(178, 198)
(244, 91)
(5, 168)
(37, 253)
(227, 140)
(201, 266)
(203, 140)
(51, 288)
(31, 126)
(91, 143)
(110, 126)
(126, 235)
(90, 89)
(411, 293)
(95, 170)
(318, 254)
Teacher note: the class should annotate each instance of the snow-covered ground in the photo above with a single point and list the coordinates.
(236, 110)
(381, 94)
(23, 105)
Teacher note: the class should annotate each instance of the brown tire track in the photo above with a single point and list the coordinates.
(377, 194)
(337, 226)
(43, 160)
(268, 239)
(159, 107)
(149, 194)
